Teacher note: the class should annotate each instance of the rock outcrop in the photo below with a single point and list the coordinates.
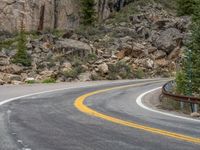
(61, 14)
(14, 13)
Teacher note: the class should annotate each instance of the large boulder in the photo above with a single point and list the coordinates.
(45, 75)
(159, 54)
(86, 76)
(195, 115)
(103, 68)
(69, 46)
(4, 60)
(8, 78)
(167, 40)
(12, 69)
(66, 66)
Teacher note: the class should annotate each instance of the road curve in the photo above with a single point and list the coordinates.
(54, 121)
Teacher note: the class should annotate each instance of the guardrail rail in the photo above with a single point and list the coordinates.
(167, 90)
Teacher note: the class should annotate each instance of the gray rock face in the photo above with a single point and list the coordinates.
(14, 12)
(167, 40)
(62, 14)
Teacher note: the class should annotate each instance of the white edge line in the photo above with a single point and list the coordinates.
(62, 89)
(139, 102)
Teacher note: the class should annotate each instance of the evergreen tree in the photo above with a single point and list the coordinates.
(189, 78)
(88, 12)
(21, 56)
(185, 7)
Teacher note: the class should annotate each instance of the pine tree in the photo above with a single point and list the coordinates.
(21, 56)
(189, 78)
(185, 7)
(88, 12)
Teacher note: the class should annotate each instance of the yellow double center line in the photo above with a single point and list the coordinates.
(79, 104)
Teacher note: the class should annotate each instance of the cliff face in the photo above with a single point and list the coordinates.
(61, 14)
(56, 13)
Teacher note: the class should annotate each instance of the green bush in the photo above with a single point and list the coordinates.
(76, 68)
(22, 57)
(91, 57)
(31, 82)
(120, 69)
(57, 33)
(73, 73)
(139, 73)
(49, 80)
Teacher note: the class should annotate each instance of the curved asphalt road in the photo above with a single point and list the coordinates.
(51, 122)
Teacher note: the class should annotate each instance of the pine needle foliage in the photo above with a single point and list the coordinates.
(21, 56)
(88, 13)
(189, 78)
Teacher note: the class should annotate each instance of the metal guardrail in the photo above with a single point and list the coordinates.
(167, 90)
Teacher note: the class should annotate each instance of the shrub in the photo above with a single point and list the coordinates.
(139, 73)
(76, 68)
(49, 80)
(57, 33)
(73, 73)
(31, 82)
(120, 69)
(91, 57)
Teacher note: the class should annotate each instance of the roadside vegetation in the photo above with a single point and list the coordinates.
(49, 80)
(77, 68)
(120, 70)
(188, 78)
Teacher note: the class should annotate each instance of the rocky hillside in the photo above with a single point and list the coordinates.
(139, 41)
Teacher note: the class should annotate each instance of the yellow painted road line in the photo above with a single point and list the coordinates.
(79, 104)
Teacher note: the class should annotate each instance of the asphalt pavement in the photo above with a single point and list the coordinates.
(50, 121)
